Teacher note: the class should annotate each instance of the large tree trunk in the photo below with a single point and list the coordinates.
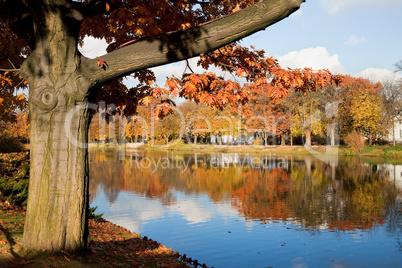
(56, 217)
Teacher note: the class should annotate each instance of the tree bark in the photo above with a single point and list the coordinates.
(332, 126)
(56, 216)
(308, 137)
(283, 142)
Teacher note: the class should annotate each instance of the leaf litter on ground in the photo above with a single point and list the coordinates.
(109, 246)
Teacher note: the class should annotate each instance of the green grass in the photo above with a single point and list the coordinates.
(370, 148)
(397, 148)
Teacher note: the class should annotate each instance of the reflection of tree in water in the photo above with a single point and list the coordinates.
(368, 194)
(394, 223)
(115, 175)
(352, 195)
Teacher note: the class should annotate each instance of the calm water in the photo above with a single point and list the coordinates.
(242, 210)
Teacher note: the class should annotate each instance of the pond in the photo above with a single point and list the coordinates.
(246, 210)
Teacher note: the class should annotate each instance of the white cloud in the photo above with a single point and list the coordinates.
(378, 74)
(314, 57)
(193, 211)
(334, 7)
(93, 47)
(354, 40)
(133, 212)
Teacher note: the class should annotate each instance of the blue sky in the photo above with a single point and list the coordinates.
(358, 37)
(349, 37)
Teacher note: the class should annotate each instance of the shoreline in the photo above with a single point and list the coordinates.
(379, 151)
(109, 245)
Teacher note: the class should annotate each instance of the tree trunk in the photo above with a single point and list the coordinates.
(308, 137)
(56, 217)
(195, 139)
(283, 142)
(291, 139)
(393, 133)
(332, 126)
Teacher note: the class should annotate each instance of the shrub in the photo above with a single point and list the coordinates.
(9, 144)
(93, 216)
(355, 140)
(14, 172)
(350, 152)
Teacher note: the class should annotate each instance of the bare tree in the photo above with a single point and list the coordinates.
(392, 103)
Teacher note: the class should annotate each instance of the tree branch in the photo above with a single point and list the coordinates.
(176, 46)
(9, 70)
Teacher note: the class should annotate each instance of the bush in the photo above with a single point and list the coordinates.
(350, 152)
(14, 172)
(93, 216)
(355, 140)
(9, 144)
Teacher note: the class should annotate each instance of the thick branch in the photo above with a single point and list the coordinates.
(176, 46)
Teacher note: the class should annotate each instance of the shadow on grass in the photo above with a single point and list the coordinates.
(10, 241)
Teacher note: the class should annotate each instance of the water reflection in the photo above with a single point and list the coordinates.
(316, 196)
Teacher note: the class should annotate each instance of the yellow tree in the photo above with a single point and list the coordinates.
(198, 120)
(360, 107)
(139, 125)
(366, 111)
(170, 127)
